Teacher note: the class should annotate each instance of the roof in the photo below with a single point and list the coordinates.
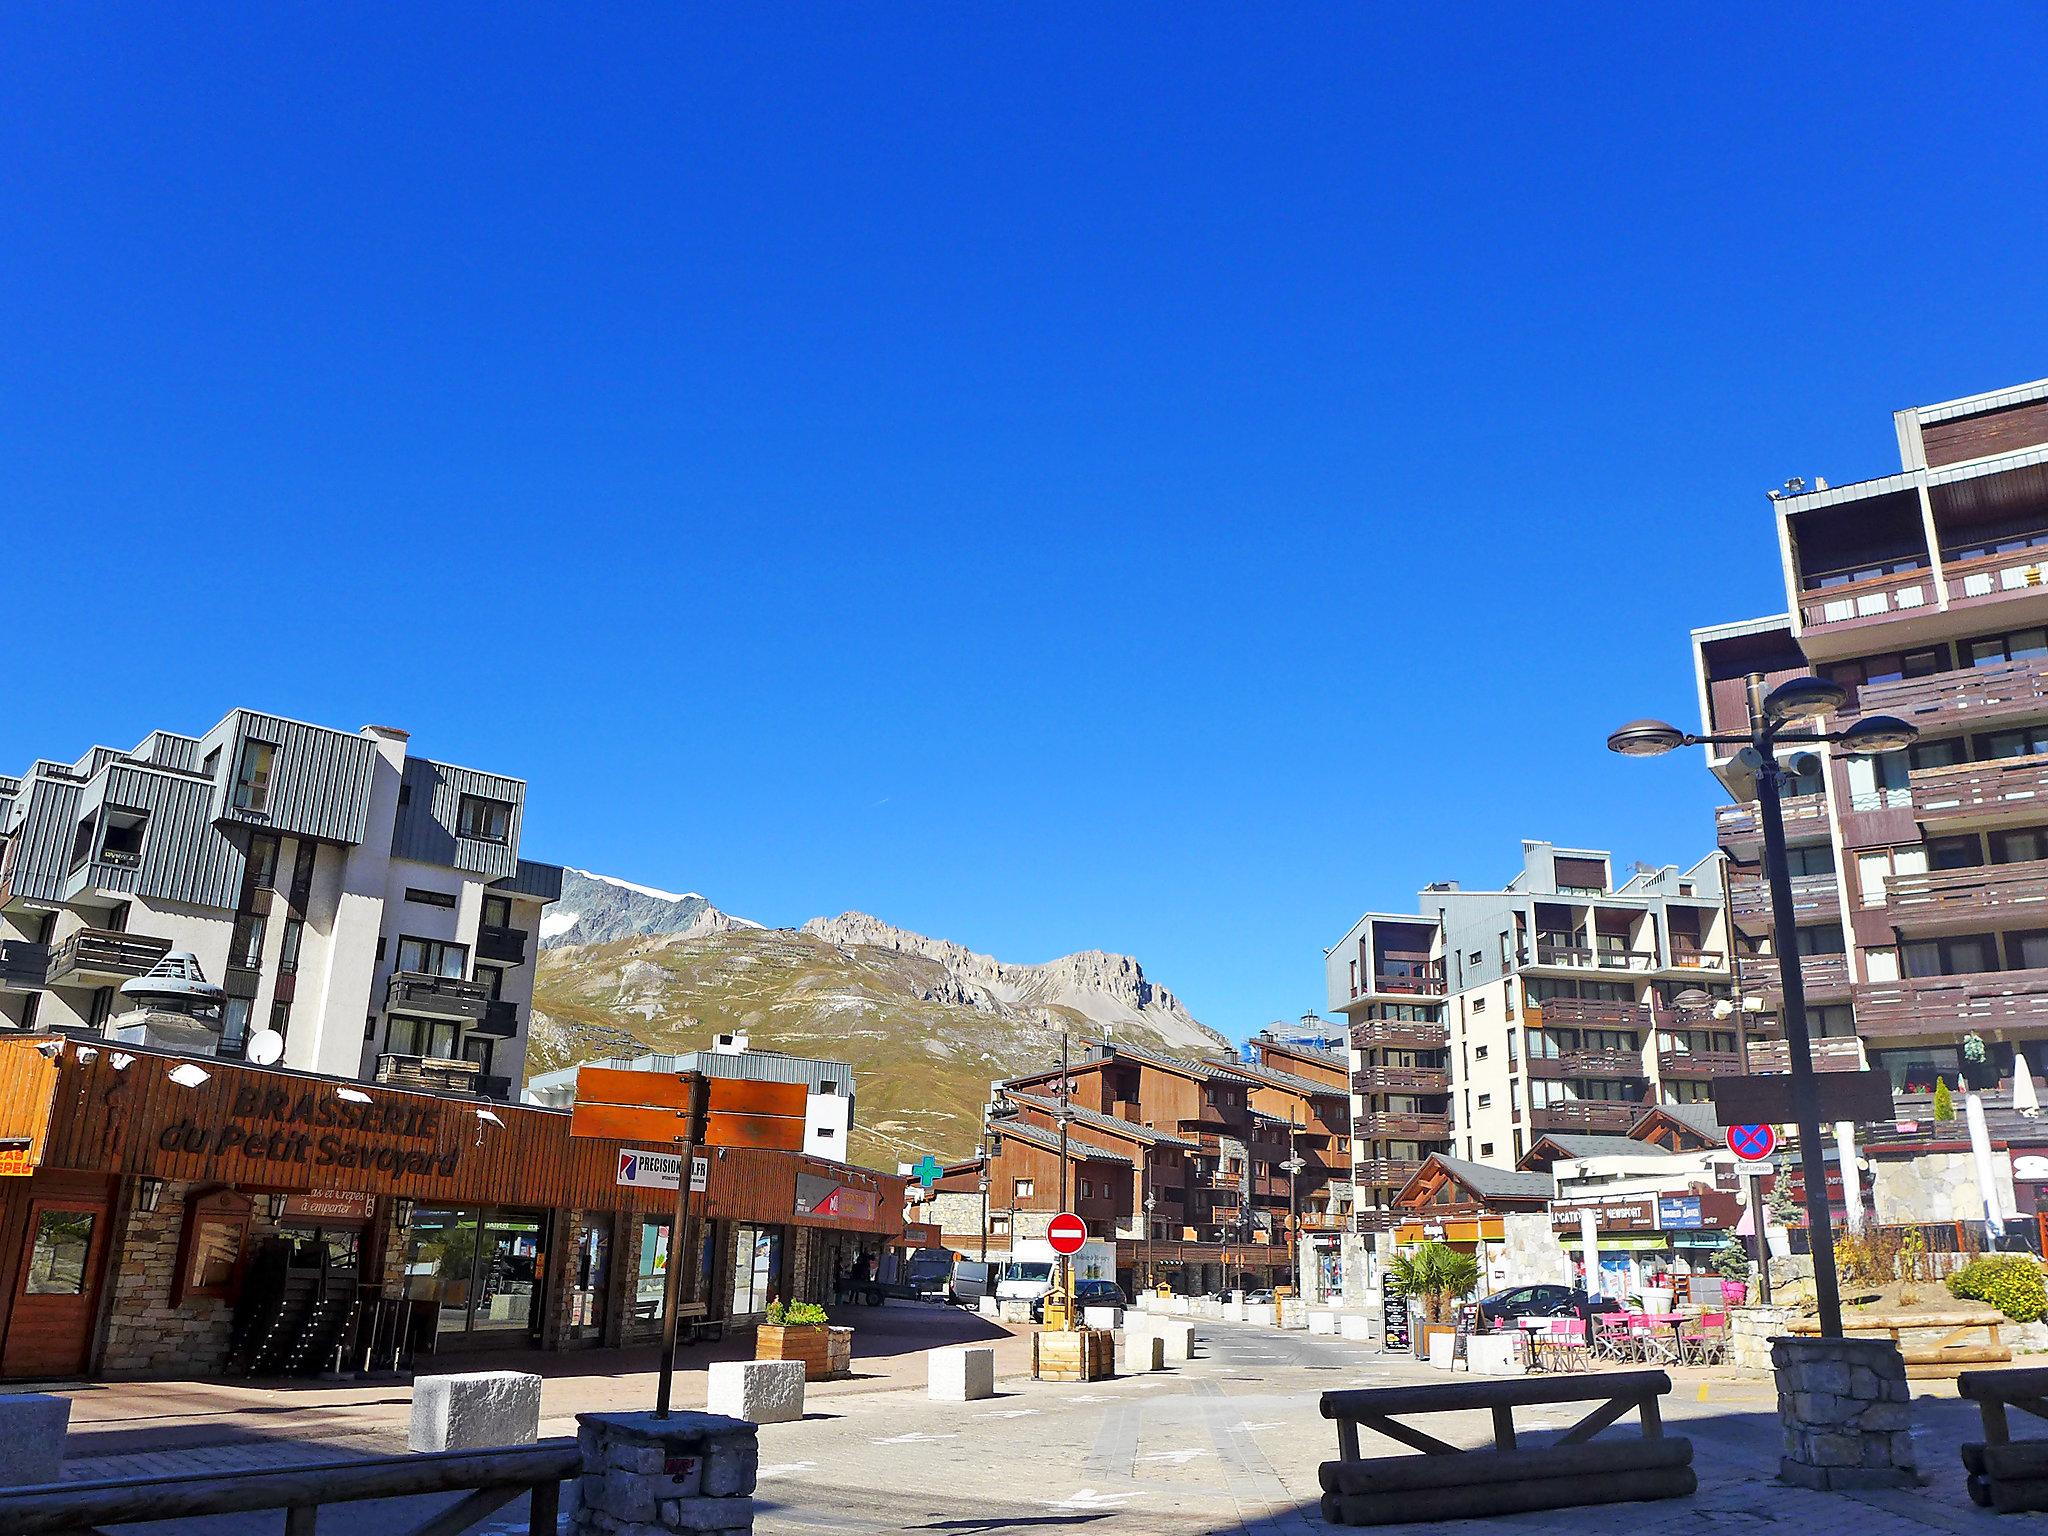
(1602, 1146)
(1489, 1182)
(1202, 1071)
(1038, 1136)
(1083, 1115)
(1694, 1117)
(1328, 1058)
(1273, 1078)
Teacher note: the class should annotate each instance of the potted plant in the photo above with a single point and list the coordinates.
(1435, 1277)
(798, 1330)
(1732, 1263)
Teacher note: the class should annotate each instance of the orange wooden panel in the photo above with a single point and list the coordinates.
(779, 1132)
(739, 1096)
(616, 1085)
(628, 1122)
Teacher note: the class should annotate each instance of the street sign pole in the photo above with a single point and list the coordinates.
(1759, 1219)
(678, 1242)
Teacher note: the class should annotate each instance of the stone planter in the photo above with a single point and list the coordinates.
(1846, 1413)
(810, 1344)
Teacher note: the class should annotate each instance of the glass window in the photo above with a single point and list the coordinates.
(245, 946)
(253, 775)
(433, 957)
(302, 870)
(1811, 859)
(421, 1037)
(234, 1031)
(508, 1273)
(497, 912)
(57, 1259)
(1821, 939)
(216, 1253)
(288, 952)
(488, 821)
(263, 861)
(2025, 843)
(2027, 741)
(756, 1257)
(1954, 853)
(442, 1262)
(121, 841)
(2028, 950)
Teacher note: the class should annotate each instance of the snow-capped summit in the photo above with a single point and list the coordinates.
(595, 909)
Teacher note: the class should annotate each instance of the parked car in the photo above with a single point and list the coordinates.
(1259, 1298)
(1542, 1301)
(1087, 1293)
(973, 1280)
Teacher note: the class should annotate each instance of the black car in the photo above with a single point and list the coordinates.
(1087, 1293)
(1542, 1301)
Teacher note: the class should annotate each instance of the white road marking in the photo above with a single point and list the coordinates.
(915, 1437)
(1267, 1424)
(1178, 1458)
(1088, 1498)
(1087, 1397)
(1009, 1413)
(783, 1468)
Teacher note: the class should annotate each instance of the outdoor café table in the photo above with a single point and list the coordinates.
(1648, 1326)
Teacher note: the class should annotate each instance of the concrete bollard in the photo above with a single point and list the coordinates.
(32, 1427)
(1260, 1312)
(474, 1412)
(1101, 1317)
(1013, 1309)
(1178, 1338)
(960, 1375)
(1355, 1325)
(690, 1472)
(986, 1306)
(1144, 1352)
(758, 1391)
(1322, 1322)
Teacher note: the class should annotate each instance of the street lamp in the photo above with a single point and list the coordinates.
(1151, 1274)
(1800, 701)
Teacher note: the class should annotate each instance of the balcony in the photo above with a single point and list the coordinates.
(1971, 795)
(1982, 578)
(1597, 1115)
(1578, 1064)
(1968, 900)
(1947, 701)
(1826, 976)
(1400, 1035)
(501, 946)
(435, 997)
(1401, 1080)
(1589, 1013)
(1849, 603)
(1813, 897)
(436, 1074)
(1691, 958)
(94, 957)
(1947, 1006)
(1406, 986)
(1694, 1066)
(1602, 959)
(1386, 1172)
(1403, 1126)
(500, 1020)
(24, 967)
(1738, 830)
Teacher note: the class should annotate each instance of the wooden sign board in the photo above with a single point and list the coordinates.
(620, 1105)
(1766, 1099)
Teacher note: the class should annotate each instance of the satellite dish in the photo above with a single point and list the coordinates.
(266, 1047)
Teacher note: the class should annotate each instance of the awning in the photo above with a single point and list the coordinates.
(1655, 1242)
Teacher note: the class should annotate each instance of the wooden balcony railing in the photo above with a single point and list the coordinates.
(1692, 1065)
(1949, 1005)
(1872, 598)
(24, 967)
(1403, 986)
(1401, 1080)
(1588, 1013)
(1386, 1172)
(100, 954)
(1974, 794)
(1577, 1064)
(435, 997)
(429, 1072)
(2013, 572)
(1749, 898)
(504, 946)
(2009, 690)
(1824, 975)
(1737, 826)
(1597, 1115)
(1404, 1127)
(1400, 1034)
(1990, 896)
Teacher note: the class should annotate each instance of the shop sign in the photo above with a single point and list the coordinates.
(328, 1205)
(1608, 1215)
(817, 1195)
(2027, 1167)
(1678, 1212)
(317, 1128)
(15, 1163)
(657, 1170)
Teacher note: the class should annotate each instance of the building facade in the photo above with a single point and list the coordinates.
(1919, 877)
(1562, 1001)
(367, 907)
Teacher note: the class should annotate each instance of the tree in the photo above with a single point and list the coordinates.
(1944, 1102)
(1438, 1276)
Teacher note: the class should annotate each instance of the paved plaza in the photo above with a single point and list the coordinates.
(1228, 1442)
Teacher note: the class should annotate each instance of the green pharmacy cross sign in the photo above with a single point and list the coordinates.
(927, 1170)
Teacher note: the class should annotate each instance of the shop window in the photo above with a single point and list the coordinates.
(212, 1246)
(481, 1269)
(59, 1256)
(756, 1259)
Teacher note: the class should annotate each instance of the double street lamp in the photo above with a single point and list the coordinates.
(1788, 716)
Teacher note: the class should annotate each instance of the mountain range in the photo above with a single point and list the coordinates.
(925, 1023)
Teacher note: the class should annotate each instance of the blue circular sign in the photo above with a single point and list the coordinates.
(1752, 1143)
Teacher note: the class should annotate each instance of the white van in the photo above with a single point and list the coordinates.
(1029, 1274)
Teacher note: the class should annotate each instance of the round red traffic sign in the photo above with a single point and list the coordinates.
(1752, 1143)
(1066, 1232)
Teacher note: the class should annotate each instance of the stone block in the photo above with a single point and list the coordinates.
(32, 1427)
(1322, 1322)
(1260, 1312)
(474, 1411)
(1356, 1326)
(1441, 1347)
(961, 1375)
(1176, 1338)
(1011, 1309)
(1494, 1354)
(758, 1391)
(1101, 1317)
(730, 1469)
(986, 1306)
(1144, 1352)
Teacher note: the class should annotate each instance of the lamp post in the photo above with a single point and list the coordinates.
(1151, 1275)
(1294, 1165)
(1800, 701)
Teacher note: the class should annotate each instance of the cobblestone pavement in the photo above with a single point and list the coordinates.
(1228, 1442)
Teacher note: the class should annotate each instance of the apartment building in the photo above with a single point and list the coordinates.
(1920, 878)
(828, 1085)
(1562, 1001)
(1306, 1089)
(367, 907)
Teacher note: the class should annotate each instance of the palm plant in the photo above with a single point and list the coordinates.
(1438, 1276)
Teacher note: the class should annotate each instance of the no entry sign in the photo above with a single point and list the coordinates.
(1066, 1232)
(1752, 1143)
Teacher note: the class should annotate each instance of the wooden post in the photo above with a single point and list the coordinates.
(678, 1245)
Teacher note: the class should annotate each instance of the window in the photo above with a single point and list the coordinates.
(280, 1019)
(421, 1037)
(211, 766)
(1486, 1149)
(58, 1258)
(422, 898)
(497, 912)
(433, 957)
(1479, 1005)
(1486, 1101)
(1479, 1053)
(263, 862)
(2017, 646)
(245, 945)
(1023, 1189)
(1811, 859)
(253, 775)
(81, 844)
(288, 950)
(2027, 741)
(828, 1085)
(234, 1032)
(121, 839)
(302, 871)
(2013, 847)
(478, 1049)
(492, 979)
(1821, 939)
(1961, 956)
(488, 821)
(1954, 852)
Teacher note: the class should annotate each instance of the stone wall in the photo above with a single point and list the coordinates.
(146, 1335)
(1936, 1186)
(1846, 1413)
(1750, 1331)
(1529, 1253)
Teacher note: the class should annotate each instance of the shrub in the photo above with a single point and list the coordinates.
(2011, 1282)
(1871, 1259)
(1944, 1101)
(1437, 1275)
(795, 1314)
(1731, 1261)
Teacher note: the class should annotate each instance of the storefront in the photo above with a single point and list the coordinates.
(161, 1215)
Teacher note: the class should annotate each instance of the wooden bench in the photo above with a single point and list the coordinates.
(1943, 1357)
(1448, 1482)
(2005, 1474)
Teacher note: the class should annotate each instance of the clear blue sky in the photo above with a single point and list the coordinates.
(1163, 480)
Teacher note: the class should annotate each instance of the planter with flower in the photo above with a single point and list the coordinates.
(800, 1330)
